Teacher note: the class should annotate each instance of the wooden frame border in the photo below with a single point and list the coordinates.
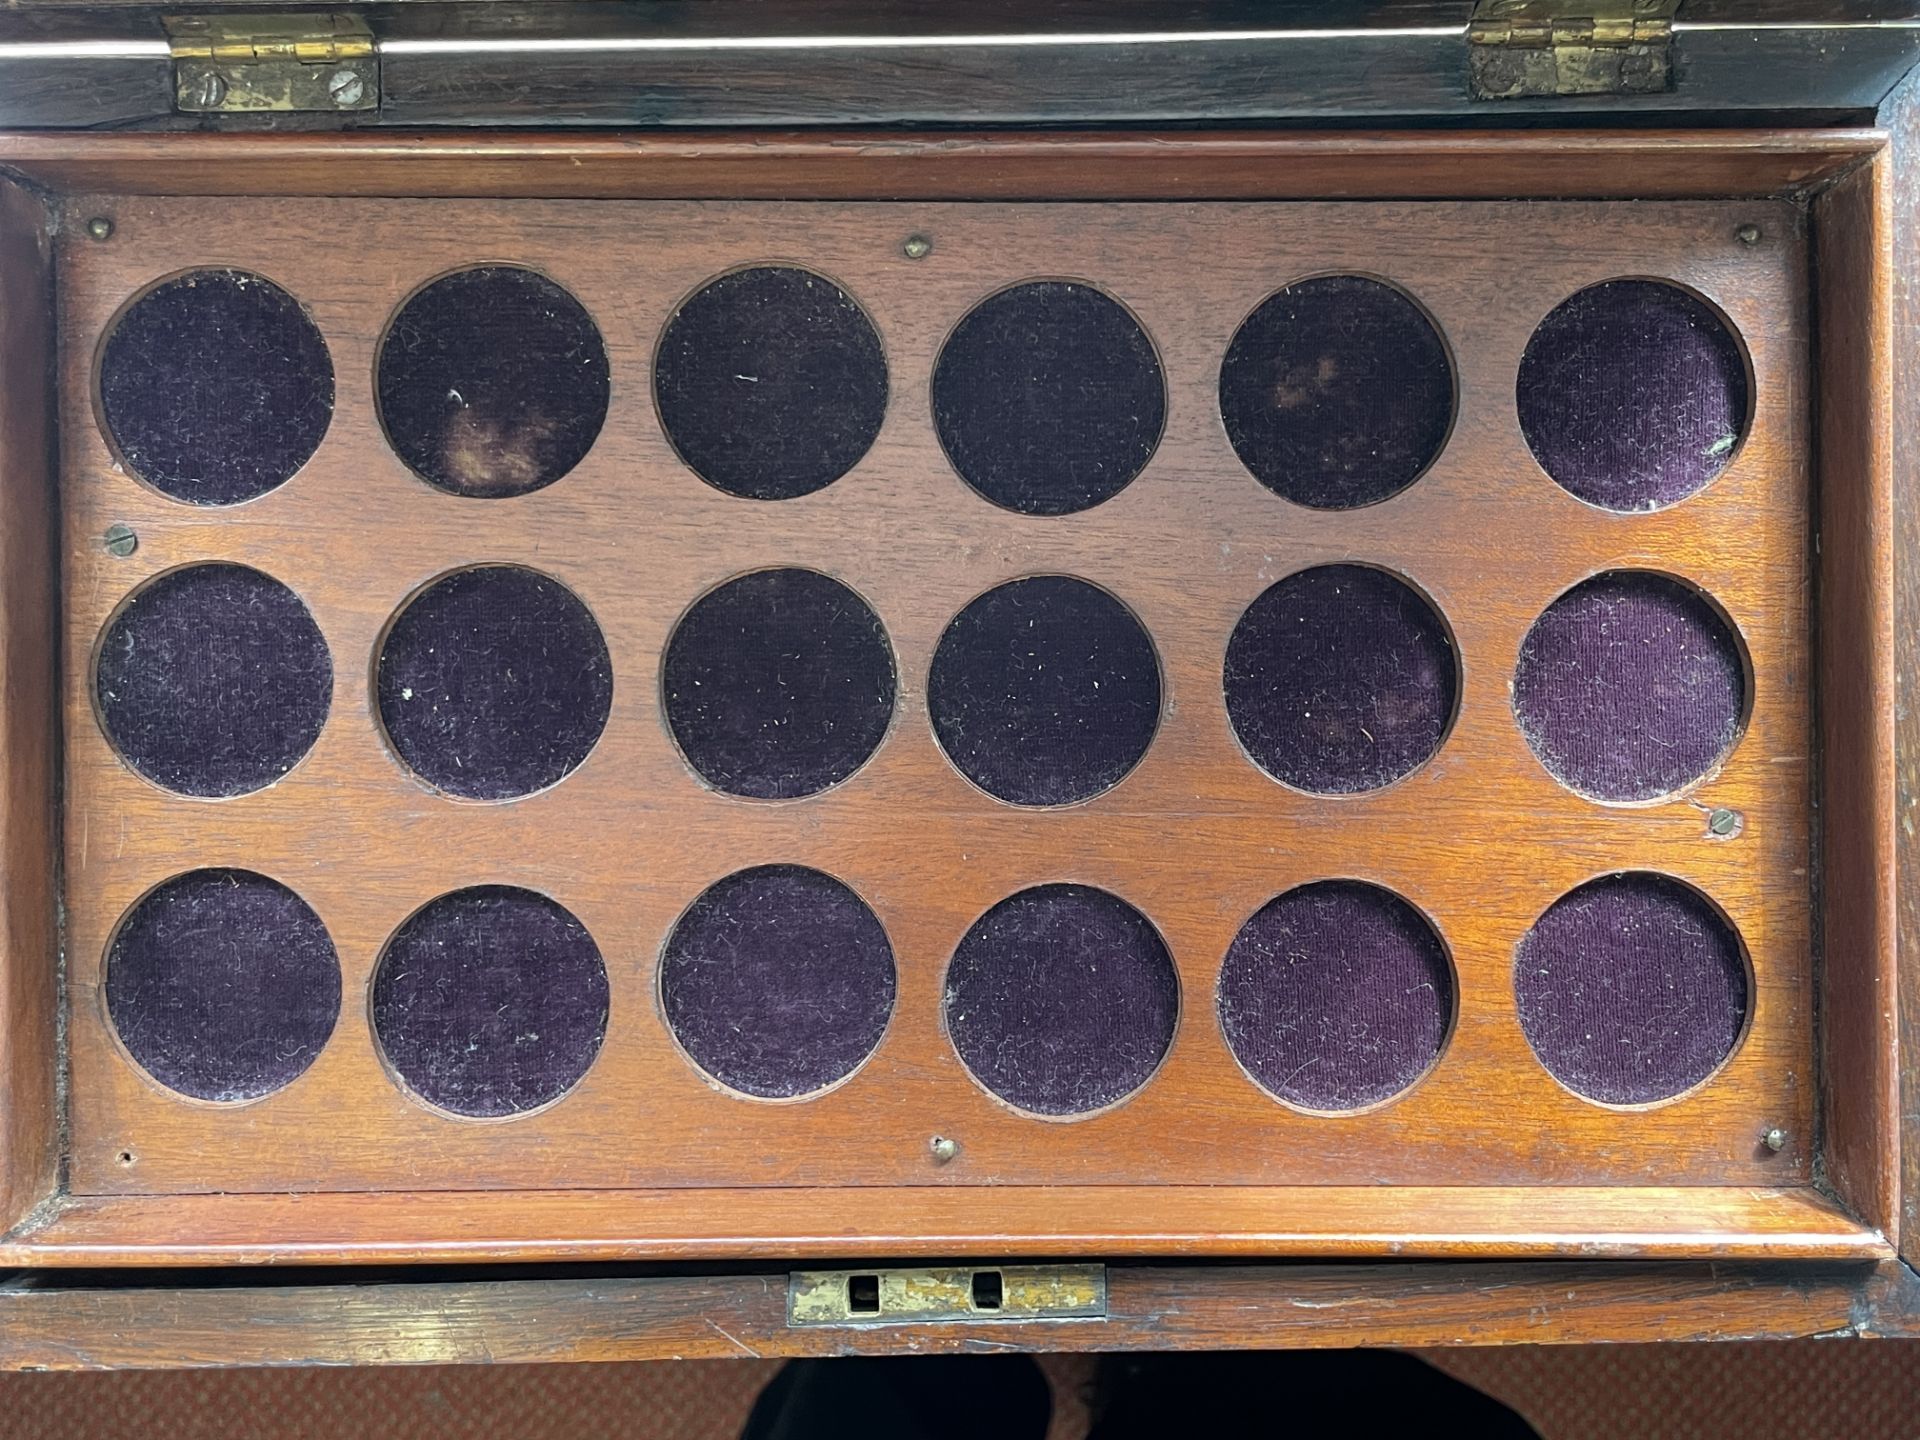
(1844, 171)
(1855, 980)
(31, 1111)
(317, 1319)
(857, 165)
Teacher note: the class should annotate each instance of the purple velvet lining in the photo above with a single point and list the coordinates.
(1062, 999)
(223, 984)
(1336, 995)
(490, 1001)
(1044, 691)
(213, 680)
(1337, 392)
(216, 387)
(1340, 679)
(778, 684)
(1630, 687)
(494, 682)
(778, 981)
(492, 382)
(1048, 398)
(1631, 988)
(1633, 394)
(771, 382)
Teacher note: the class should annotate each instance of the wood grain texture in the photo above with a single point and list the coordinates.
(1903, 122)
(1009, 1222)
(1861, 1086)
(822, 165)
(1482, 839)
(179, 1325)
(30, 1000)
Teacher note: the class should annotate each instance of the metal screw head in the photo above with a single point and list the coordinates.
(1748, 234)
(1724, 824)
(1775, 1140)
(347, 87)
(943, 1149)
(100, 228)
(204, 92)
(917, 247)
(121, 541)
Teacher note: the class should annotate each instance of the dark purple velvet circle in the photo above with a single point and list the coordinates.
(223, 984)
(1336, 995)
(778, 981)
(1630, 687)
(1062, 999)
(1337, 392)
(1340, 679)
(1633, 394)
(213, 680)
(494, 682)
(1631, 988)
(771, 382)
(1048, 398)
(216, 387)
(492, 382)
(1044, 691)
(490, 1001)
(778, 684)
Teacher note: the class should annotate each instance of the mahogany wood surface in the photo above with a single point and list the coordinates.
(1860, 1052)
(1903, 400)
(174, 1324)
(822, 165)
(1411, 1222)
(1482, 839)
(30, 1120)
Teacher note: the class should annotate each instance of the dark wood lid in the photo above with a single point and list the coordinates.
(660, 63)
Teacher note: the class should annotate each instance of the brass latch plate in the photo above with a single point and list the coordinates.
(1522, 49)
(978, 1292)
(238, 64)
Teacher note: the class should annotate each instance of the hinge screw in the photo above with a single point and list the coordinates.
(100, 228)
(943, 1149)
(347, 88)
(121, 541)
(204, 92)
(1748, 234)
(1775, 1140)
(917, 247)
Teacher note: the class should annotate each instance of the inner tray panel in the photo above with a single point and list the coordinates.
(523, 853)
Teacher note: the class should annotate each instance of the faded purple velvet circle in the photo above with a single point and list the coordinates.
(1631, 988)
(492, 382)
(1062, 999)
(778, 684)
(1337, 392)
(1044, 691)
(1048, 398)
(490, 1001)
(1340, 679)
(1336, 995)
(1633, 394)
(494, 682)
(216, 387)
(213, 680)
(223, 984)
(1630, 687)
(778, 981)
(771, 382)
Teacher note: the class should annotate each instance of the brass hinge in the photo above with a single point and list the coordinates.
(235, 64)
(952, 1293)
(1520, 49)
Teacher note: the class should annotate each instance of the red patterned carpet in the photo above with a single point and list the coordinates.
(1857, 1389)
